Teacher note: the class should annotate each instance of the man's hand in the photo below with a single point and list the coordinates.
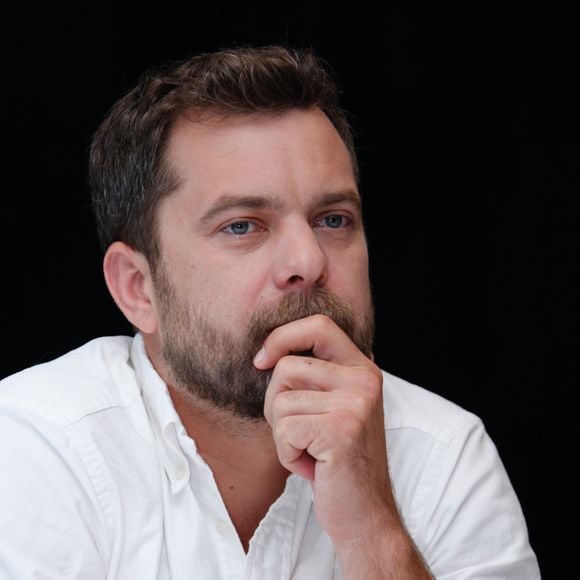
(326, 414)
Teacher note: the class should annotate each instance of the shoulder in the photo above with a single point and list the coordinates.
(452, 488)
(80, 422)
(95, 376)
(412, 407)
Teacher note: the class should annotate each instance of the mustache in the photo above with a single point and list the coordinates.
(297, 306)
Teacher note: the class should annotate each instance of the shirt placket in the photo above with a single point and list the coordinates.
(271, 548)
(222, 533)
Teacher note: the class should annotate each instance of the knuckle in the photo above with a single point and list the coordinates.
(350, 426)
(283, 366)
(284, 401)
(323, 321)
(359, 404)
(370, 379)
(282, 428)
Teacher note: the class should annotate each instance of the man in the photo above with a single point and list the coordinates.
(245, 431)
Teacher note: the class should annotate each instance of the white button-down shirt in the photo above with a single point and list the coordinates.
(98, 479)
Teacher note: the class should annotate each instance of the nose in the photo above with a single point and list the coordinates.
(299, 261)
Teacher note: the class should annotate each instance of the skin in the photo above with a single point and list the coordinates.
(250, 222)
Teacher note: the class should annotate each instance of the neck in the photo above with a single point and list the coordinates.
(244, 444)
(242, 456)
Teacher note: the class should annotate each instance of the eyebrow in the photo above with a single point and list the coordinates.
(348, 195)
(227, 202)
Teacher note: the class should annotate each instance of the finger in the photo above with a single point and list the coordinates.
(316, 333)
(287, 403)
(293, 435)
(295, 373)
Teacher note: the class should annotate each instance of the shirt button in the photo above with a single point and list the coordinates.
(222, 527)
(180, 472)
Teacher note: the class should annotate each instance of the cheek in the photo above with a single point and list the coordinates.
(351, 267)
(230, 292)
(350, 280)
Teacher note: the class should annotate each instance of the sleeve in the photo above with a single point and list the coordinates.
(50, 521)
(473, 521)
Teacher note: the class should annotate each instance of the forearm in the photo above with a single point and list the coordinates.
(391, 555)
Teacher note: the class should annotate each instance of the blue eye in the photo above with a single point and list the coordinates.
(334, 221)
(239, 228)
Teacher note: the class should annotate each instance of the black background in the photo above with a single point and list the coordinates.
(467, 127)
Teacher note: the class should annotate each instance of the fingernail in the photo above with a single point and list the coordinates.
(260, 356)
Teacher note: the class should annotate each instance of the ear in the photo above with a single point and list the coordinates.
(128, 277)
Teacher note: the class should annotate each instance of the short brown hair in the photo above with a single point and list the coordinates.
(127, 173)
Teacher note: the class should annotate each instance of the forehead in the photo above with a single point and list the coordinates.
(295, 152)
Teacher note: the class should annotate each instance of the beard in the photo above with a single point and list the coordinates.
(216, 365)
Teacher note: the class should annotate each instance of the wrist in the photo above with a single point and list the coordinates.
(390, 554)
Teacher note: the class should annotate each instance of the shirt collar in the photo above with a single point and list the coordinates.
(168, 430)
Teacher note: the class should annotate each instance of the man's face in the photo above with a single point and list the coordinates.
(264, 228)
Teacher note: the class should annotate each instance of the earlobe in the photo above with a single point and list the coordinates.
(128, 277)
